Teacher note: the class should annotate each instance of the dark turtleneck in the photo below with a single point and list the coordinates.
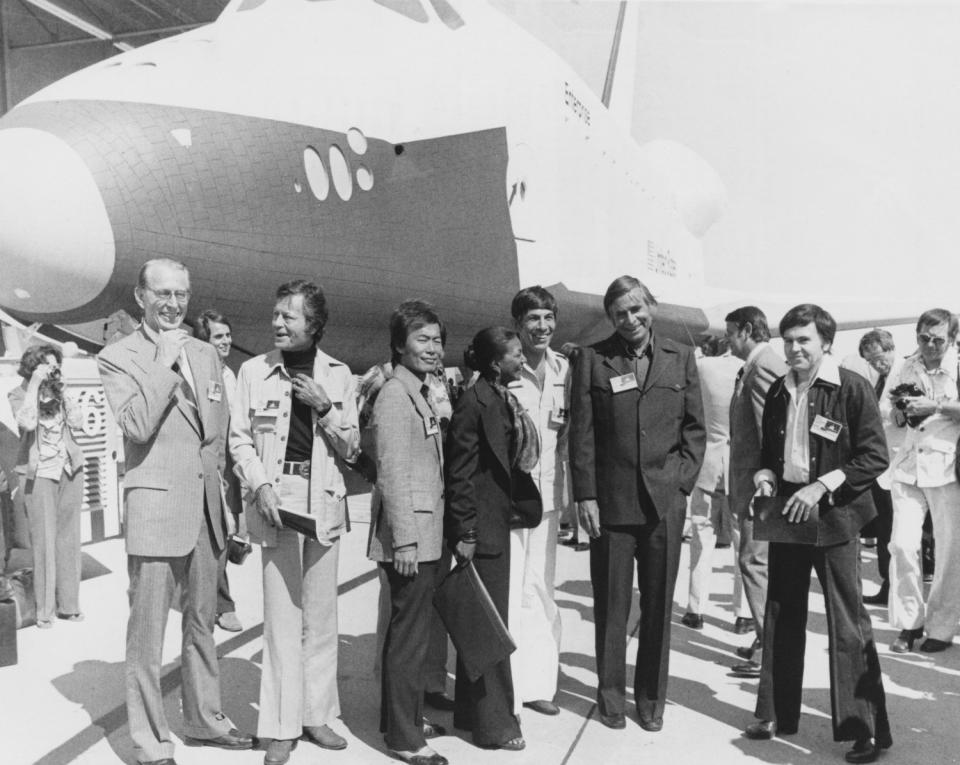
(300, 437)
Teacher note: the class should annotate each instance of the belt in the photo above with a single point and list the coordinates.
(301, 469)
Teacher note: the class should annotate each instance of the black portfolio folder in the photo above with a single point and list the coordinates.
(770, 525)
(467, 610)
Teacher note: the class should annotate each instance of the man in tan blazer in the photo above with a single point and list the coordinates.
(166, 392)
(749, 336)
(406, 530)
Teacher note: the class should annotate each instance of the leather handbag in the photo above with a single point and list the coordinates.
(238, 549)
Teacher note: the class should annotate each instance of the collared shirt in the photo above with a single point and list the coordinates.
(185, 372)
(796, 444)
(549, 408)
(259, 427)
(639, 361)
(927, 454)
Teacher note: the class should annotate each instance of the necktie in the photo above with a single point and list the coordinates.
(881, 381)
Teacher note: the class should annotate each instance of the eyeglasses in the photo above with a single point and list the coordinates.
(926, 339)
(182, 296)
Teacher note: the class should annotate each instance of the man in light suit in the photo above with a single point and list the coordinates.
(406, 530)
(636, 445)
(166, 392)
(709, 503)
(749, 336)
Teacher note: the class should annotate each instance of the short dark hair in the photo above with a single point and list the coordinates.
(210, 316)
(878, 337)
(410, 316)
(36, 355)
(806, 313)
(757, 319)
(314, 303)
(488, 345)
(532, 299)
(169, 262)
(936, 316)
(621, 286)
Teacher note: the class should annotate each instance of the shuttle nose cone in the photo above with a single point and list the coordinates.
(56, 243)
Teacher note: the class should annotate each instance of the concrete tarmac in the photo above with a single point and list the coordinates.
(63, 702)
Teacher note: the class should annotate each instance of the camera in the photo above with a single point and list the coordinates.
(905, 391)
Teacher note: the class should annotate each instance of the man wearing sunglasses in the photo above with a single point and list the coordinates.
(924, 477)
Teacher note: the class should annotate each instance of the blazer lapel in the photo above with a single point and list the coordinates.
(193, 413)
(492, 424)
(662, 358)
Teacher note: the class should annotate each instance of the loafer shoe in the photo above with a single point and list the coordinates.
(324, 737)
(932, 645)
(761, 730)
(693, 621)
(543, 706)
(164, 761)
(905, 640)
(879, 598)
(421, 757)
(432, 729)
(229, 622)
(278, 751)
(747, 651)
(744, 624)
(77, 617)
(651, 724)
(746, 669)
(510, 745)
(439, 700)
(232, 739)
(617, 720)
(865, 750)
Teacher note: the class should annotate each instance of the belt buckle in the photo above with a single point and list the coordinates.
(305, 469)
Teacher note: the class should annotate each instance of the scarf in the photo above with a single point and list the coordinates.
(525, 444)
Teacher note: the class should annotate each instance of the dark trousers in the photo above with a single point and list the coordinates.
(655, 549)
(225, 604)
(880, 528)
(857, 700)
(485, 706)
(402, 678)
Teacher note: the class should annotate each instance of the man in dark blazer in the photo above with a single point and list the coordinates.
(749, 337)
(823, 447)
(637, 441)
(165, 389)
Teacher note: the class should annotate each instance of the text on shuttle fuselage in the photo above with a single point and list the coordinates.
(576, 105)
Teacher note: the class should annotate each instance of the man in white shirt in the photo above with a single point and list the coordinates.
(534, 618)
(924, 477)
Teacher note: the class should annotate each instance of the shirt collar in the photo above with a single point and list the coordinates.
(274, 361)
(829, 372)
(948, 365)
(553, 362)
(630, 353)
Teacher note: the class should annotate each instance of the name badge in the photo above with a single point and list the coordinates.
(215, 391)
(269, 409)
(431, 426)
(623, 382)
(559, 416)
(826, 428)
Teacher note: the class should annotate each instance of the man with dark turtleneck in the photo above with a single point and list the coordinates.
(293, 427)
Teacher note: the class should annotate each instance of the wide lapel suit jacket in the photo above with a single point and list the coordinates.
(746, 408)
(174, 450)
(638, 446)
(409, 454)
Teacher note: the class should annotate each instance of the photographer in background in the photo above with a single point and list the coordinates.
(50, 468)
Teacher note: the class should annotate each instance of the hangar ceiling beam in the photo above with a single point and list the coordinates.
(75, 21)
(165, 31)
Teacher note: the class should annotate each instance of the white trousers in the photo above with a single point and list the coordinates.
(905, 608)
(707, 512)
(533, 617)
(299, 683)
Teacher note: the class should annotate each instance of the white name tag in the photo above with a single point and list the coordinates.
(269, 409)
(623, 382)
(215, 391)
(431, 426)
(826, 428)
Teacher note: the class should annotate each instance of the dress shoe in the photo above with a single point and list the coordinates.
(44, 624)
(543, 706)
(577, 545)
(748, 668)
(932, 645)
(229, 622)
(865, 750)
(278, 751)
(77, 617)
(905, 640)
(692, 620)
(747, 651)
(617, 720)
(511, 745)
(880, 598)
(425, 756)
(761, 730)
(232, 739)
(438, 700)
(164, 761)
(324, 737)
(744, 624)
(432, 729)
(651, 724)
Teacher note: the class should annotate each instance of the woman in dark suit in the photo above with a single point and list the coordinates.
(490, 448)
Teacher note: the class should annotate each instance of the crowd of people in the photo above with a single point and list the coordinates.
(797, 459)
